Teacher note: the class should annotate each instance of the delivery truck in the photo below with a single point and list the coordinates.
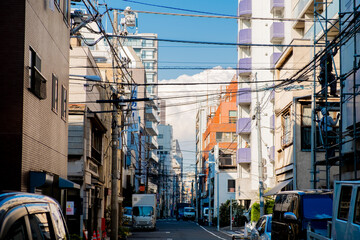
(144, 211)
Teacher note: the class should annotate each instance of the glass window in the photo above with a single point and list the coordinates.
(55, 95)
(149, 65)
(150, 78)
(161, 136)
(317, 206)
(58, 222)
(40, 227)
(357, 207)
(147, 55)
(17, 231)
(344, 204)
(142, 211)
(232, 116)
(231, 185)
(148, 43)
(161, 147)
(63, 103)
(286, 129)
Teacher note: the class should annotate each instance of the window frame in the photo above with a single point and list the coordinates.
(357, 207)
(63, 102)
(232, 119)
(340, 201)
(55, 94)
(228, 185)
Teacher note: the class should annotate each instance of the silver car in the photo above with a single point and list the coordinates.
(262, 229)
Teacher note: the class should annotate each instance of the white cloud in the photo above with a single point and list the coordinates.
(183, 116)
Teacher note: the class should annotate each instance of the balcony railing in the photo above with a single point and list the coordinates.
(243, 96)
(244, 36)
(276, 5)
(243, 126)
(243, 155)
(244, 66)
(286, 139)
(151, 128)
(277, 32)
(151, 114)
(244, 8)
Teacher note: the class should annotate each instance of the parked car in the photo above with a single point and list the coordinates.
(127, 216)
(294, 211)
(23, 215)
(262, 229)
(189, 213)
(206, 215)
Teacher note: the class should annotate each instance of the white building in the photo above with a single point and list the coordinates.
(255, 64)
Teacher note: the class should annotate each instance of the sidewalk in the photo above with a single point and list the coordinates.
(235, 233)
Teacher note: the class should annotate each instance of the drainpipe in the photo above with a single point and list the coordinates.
(295, 99)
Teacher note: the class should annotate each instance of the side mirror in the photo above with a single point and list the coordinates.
(290, 216)
(260, 230)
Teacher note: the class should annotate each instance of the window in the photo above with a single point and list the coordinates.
(344, 204)
(96, 144)
(66, 11)
(63, 103)
(150, 89)
(148, 43)
(57, 3)
(225, 137)
(59, 226)
(357, 208)
(161, 147)
(231, 185)
(86, 41)
(40, 227)
(147, 55)
(55, 95)
(149, 78)
(160, 136)
(149, 65)
(37, 82)
(17, 231)
(232, 116)
(286, 129)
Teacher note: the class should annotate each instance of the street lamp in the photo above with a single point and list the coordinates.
(95, 78)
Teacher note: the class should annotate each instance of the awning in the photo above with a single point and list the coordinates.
(64, 183)
(277, 188)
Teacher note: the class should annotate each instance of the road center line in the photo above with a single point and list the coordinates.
(212, 233)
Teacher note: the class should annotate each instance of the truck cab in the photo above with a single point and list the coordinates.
(346, 214)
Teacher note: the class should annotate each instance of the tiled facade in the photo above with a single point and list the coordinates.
(33, 136)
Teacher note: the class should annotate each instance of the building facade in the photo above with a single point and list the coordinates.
(35, 84)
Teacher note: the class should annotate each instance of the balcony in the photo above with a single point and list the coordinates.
(276, 5)
(243, 96)
(153, 156)
(244, 36)
(152, 142)
(151, 114)
(244, 8)
(272, 123)
(243, 155)
(272, 154)
(272, 96)
(244, 66)
(151, 128)
(277, 32)
(274, 58)
(243, 126)
(299, 8)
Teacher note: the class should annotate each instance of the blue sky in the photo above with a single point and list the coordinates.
(188, 28)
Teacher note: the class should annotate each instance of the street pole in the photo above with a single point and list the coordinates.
(261, 186)
(114, 175)
(196, 192)
(230, 214)
(218, 208)
(209, 188)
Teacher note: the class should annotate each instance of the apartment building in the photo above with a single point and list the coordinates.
(34, 119)
(219, 150)
(294, 167)
(255, 64)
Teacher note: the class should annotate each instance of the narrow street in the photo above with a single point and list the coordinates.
(170, 229)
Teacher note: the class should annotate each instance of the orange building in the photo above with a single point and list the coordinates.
(221, 124)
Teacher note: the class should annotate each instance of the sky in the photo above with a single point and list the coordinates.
(184, 55)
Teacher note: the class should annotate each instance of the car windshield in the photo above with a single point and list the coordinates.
(189, 210)
(127, 211)
(317, 206)
(143, 211)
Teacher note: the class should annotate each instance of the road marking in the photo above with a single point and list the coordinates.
(212, 233)
(167, 232)
(169, 239)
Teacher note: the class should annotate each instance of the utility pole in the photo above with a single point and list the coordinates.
(114, 166)
(230, 214)
(114, 175)
(196, 192)
(260, 162)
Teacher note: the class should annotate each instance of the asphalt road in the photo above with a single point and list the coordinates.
(170, 229)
